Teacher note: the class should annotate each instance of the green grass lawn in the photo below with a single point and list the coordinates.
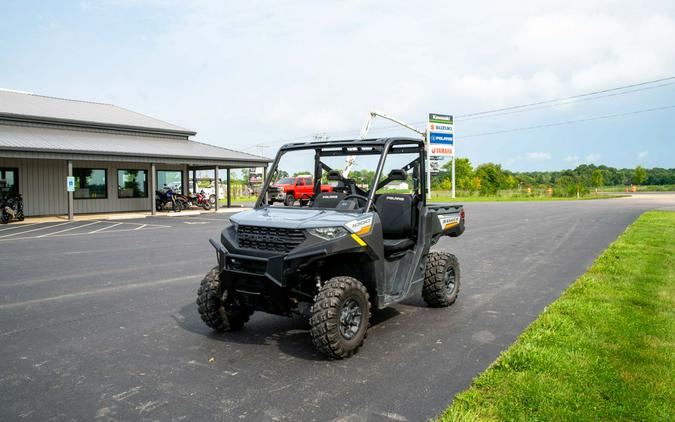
(641, 188)
(517, 198)
(605, 350)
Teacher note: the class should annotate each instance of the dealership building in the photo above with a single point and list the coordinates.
(117, 157)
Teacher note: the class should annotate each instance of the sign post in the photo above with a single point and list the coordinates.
(440, 139)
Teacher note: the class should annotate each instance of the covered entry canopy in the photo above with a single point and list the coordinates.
(42, 139)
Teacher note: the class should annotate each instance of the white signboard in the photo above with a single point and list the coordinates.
(70, 184)
(440, 135)
(434, 166)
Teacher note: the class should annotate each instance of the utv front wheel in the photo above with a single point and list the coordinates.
(340, 317)
(441, 279)
(216, 308)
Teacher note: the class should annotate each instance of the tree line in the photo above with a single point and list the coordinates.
(489, 178)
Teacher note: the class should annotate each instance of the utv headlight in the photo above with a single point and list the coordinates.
(360, 226)
(328, 233)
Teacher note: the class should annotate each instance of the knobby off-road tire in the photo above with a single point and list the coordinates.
(441, 279)
(340, 305)
(211, 301)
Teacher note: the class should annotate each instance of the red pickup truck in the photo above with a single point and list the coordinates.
(290, 189)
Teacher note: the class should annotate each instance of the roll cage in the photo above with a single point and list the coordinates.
(381, 146)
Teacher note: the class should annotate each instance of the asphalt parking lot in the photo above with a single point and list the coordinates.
(98, 321)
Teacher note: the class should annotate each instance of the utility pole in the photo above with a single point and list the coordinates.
(262, 148)
(321, 136)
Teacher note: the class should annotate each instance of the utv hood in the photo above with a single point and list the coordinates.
(293, 218)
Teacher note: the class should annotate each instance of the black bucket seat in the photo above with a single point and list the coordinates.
(396, 214)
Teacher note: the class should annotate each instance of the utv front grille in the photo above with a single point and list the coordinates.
(269, 238)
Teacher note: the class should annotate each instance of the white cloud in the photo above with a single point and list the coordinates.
(643, 154)
(538, 156)
(301, 69)
(593, 157)
(571, 159)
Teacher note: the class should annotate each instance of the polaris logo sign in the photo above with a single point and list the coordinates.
(440, 135)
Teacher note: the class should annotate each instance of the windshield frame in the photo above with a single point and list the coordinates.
(382, 147)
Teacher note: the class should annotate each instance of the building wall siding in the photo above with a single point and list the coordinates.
(42, 184)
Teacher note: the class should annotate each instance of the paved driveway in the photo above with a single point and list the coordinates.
(101, 325)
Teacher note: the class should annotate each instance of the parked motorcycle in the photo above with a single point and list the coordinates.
(184, 200)
(201, 200)
(198, 200)
(166, 197)
(11, 208)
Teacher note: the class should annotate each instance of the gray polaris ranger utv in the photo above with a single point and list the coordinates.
(361, 247)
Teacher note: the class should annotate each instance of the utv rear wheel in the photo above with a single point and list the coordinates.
(441, 279)
(217, 308)
(20, 216)
(340, 317)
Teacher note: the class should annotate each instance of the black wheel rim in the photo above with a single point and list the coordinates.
(350, 318)
(450, 279)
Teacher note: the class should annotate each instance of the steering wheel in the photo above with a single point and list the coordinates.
(359, 197)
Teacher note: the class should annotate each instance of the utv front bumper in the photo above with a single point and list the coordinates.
(270, 280)
(261, 277)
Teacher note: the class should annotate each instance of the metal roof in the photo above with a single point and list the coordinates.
(27, 138)
(23, 106)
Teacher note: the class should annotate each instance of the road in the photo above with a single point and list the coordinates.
(102, 325)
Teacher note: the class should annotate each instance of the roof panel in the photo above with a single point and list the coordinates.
(38, 106)
(58, 140)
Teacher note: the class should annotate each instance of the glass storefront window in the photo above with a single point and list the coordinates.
(132, 184)
(9, 182)
(90, 183)
(170, 178)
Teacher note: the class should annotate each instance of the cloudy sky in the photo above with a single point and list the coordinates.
(249, 73)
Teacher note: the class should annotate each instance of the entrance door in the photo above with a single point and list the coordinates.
(9, 182)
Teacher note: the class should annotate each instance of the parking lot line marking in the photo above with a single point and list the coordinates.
(225, 219)
(95, 292)
(140, 227)
(21, 226)
(39, 228)
(67, 230)
(105, 228)
(77, 234)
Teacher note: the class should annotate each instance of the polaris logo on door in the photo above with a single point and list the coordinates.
(394, 198)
